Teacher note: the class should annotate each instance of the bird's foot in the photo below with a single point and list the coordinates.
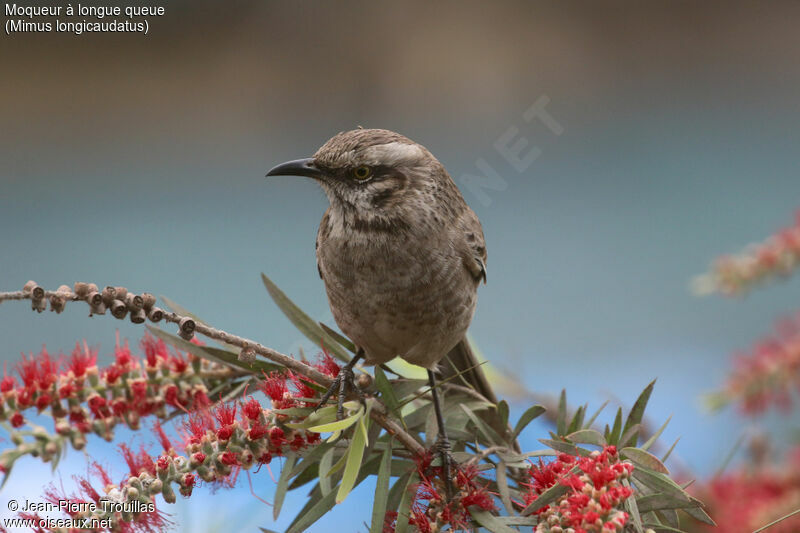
(445, 451)
(344, 380)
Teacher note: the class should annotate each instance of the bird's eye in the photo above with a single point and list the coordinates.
(361, 173)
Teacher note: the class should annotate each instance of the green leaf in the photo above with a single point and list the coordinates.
(699, 514)
(613, 437)
(305, 324)
(502, 486)
(355, 455)
(564, 447)
(654, 437)
(387, 393)
(591, 420)
(577, 420)
(341, 339)
(561, 416)
(488, 433)
(643, 458)
(659, 500)
(502, 412)
(307, 518)
(325, 464)
(669, 452)
(633, 509)
(489, 521)
(404, 511)
(547, 497)
(381, 491)
(659, 483)
(338, 425)
(587, 436)
(630, 434)
(283, 484)
(637, 414)
(529, 415)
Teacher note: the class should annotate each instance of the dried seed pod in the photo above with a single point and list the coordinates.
(39, 305)
(155, 314)
(187, 327)
(148, 301)
(94, 299)
(121, 293)
(65, 290)
(363, 381)
(99, 309)
(28, 287)
(93, 287)
(37, 293)
(119, 309)
(138, 316)
(109, 294)
(57, 302)
(247, 355)
(81, 289)
(134, 301)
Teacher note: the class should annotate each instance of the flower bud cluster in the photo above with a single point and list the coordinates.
(593, 503)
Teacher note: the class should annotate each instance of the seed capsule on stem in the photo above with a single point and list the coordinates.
(187, 327)
(134, 302)
(119, 309)
(109, 293)
(81, 289)
(138, 316)
(148, 301)
(155, 314)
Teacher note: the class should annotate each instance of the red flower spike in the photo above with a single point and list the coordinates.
(17, 420)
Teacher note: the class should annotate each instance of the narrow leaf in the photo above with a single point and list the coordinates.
(546, 498)
(341, 339)
(355, 455)
(654, 437)
(669, 452)
(339, 425)
(643, 458)
(637, 412)
(630, 503)
(381, 491)
(561, 416)
(527, 417)
(502, 486)
(587, 436)
(305, 324)
(591, 420)
(404, 511)
(489, 521)
(613, 437)
(283, 484)
(324, 470)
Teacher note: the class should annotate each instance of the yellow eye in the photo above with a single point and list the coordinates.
(362, 172)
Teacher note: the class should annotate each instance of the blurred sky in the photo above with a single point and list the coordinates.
(139, 161)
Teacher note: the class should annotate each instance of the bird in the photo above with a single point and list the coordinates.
(401, 255)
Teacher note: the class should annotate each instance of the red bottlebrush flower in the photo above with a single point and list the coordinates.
(81, 360)
(138, 463)
(17, 420)
(257, 431)
(66, 390)
(304, 390)
(171, 395)
(225, 414)
(7, 384)
(199, 458)
(265, 458)
(297, 442)
(139, 389)
(196, 427)
(155, 351)
(313, 438)
(101, 473)
(178, 363)
(162, 464)
(229, 458)
(274, 386)
(251, 409)
(25, 397)
(276, 437)
(28, 371)
(189, 480)
(123, 356)
(98, 405)
(389, 521)
(200, 399)
(158, 429)
(225, 433)
(43, 401)
(327, 365)
(112, 374)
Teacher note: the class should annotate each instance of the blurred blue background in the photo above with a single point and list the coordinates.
(139, 161)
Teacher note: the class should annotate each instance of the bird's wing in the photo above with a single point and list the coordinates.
(322, 232)
(473, 249)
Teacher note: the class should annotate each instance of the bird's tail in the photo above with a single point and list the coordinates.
(461, 362)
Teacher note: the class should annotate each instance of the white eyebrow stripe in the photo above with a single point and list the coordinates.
(392, 153)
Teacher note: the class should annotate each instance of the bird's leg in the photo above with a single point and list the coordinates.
(344, 379)
(442, 442)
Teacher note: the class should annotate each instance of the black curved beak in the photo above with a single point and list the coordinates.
(298, 167)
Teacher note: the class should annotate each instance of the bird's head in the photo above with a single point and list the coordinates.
(373, 171)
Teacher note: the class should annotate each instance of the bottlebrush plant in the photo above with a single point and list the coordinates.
(763, 493)
(240, 405)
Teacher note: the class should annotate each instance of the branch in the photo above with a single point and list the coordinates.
(122, 303)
